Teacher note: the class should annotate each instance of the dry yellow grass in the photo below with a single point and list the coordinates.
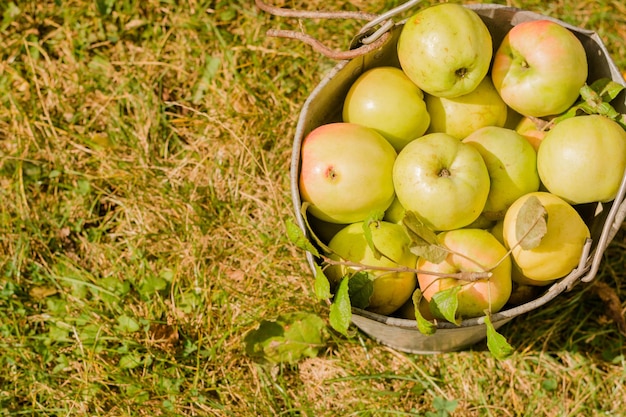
(144, 186)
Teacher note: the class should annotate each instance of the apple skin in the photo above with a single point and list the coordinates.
(462, 115)
(516, 274)
(582, 159)
(473, 250)
(539, 68)
(446, 49)
(530, 129)
(346, 172)
(386, 100)
(560, 248)
(443, 181)
(512, 165)
(395, 212)
(391, 289)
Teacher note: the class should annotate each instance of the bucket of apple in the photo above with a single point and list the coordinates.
(456, 177)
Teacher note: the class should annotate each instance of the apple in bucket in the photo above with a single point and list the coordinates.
(346, 172)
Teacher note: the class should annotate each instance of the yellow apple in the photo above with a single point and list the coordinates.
(559, 251)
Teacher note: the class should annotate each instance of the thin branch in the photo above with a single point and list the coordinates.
(470, 276)
(318, 14)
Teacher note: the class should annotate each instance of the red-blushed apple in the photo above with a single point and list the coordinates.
(445, 49)
(391, 289)
(539, 68)
(533, 130)
(346, 172)
(443, 181)
(512, 165)
(471, 250)
(582, 159)
(460, 116)
(386, 100)
(559, 250)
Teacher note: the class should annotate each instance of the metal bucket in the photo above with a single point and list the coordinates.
(324, 105)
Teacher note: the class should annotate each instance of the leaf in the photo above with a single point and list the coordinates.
(360, 289)
(532, 223)
(496, 343)
(607, 89)
(127, 324)
(372, 219)
(341, 310)
(445, 304)
(9, 15)
(322, 285)
(152, 284)
(303, 210)
(444, 406)
(298, 238)
(424, 242)
(210, 71)
(424, 326)
(287, 339)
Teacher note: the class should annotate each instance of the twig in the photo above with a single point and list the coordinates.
(326, 51)
(470, 276)
(311, 41)
(306, 14)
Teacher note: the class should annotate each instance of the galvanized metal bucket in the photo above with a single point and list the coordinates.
(324, 105)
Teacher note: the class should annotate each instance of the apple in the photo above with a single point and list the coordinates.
(395, 212)
(471, 250)
(539, 68)
(532, 129)
(386, 100)
(460, 116)
(445, 49)
(516, 274)
(346, 172)
(512, 165)
(391, 289)
(443, 181)
(559, 250)
(582, 159)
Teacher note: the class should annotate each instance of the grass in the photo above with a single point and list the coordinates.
(144, 189)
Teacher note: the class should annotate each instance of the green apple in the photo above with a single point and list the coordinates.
(539, 68)
(391, 289)
(559, 250)
(395, 212)
(471, 250)
(512, 165)
(445, 49)
(385, 99)
(346, 172)
(582, 159)
(460, 116)
(444, 181)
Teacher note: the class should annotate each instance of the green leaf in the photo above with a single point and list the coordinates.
(287, 339)
(317, 240)
(322, 285)
(607, 89)
(9, 15)
(445, 304)
(210, 71)
(424, 242)
(424, 326)
(370, 221)
(496, 343)
(360, 289)
(298, 238)
(341, 310)
(127, 324)
(444, 406)
(532, 223)
(152, 284)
